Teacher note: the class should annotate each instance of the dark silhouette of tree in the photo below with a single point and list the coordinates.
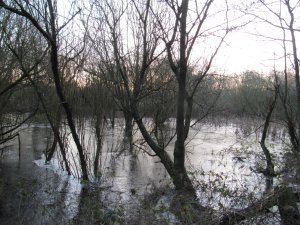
(48, 28)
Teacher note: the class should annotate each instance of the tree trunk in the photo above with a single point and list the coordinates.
(269, 171)
(55, 129)
(59, 91)
(50, 152)
(51, 36)
(112, 118)
(179, 150)
(180, 180)
(55, 126)
(98, 127)
(291, 129)
(69, 115)
(128, 128)
(289, 121)
(296, 66)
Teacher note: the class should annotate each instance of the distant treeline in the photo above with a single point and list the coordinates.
(247, 94)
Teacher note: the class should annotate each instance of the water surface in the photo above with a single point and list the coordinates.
(217, 157)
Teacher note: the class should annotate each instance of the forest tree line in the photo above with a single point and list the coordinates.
(247, 94)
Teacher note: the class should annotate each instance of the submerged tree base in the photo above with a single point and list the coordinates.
(188, 210)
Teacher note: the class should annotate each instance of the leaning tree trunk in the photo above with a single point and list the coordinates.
(269, 171)
(177, 178)
(55, 130)
(56, 138)
(67, 109)
(292, 132)
(59, 91)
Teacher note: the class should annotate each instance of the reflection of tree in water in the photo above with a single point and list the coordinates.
(39, 197)
(269, 184)
(40, 137)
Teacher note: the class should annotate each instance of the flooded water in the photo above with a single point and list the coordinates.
(220, 158)
(31, 192)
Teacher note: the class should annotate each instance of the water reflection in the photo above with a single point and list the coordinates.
(56, 198)
(33, 195)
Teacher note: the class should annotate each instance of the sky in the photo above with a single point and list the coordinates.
(244, 49)
(250, 47)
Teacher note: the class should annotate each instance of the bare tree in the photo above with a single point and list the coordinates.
(130, 53)
(43, 16)
(269, 171)
(188, 27)
(281, 15)
(13, 82)
(99, 63)
(25, 39)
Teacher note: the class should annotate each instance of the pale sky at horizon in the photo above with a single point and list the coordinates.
(245, 51)
(251, 49)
